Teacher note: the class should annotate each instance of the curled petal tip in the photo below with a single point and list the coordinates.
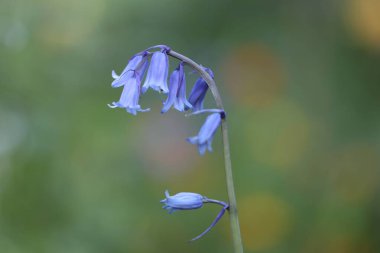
(114, 75)
(192, 140)
(113, 105)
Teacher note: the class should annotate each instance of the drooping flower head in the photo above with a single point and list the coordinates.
(198, 92)
(136, 65)
(156, 78)
(177, 91)
(130, 96)
(157, 73)
(206, 133)
(182, 201)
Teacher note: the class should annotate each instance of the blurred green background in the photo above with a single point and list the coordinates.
(300, 82)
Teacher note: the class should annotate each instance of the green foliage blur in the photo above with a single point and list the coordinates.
(300, 82)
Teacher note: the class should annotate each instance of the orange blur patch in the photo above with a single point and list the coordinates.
(254, 76)
(67, 23)
(363, 20)
(354, 172)
(161, 145)
(265, 221)
(339, 243)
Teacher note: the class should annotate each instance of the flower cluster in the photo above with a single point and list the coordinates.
(190, 201)
(153, 64)
(132, 77)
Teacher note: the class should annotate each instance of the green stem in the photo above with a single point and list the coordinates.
(235, 228)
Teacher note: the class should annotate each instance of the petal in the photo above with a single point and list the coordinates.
(167, 195)
(157, 73)
(209, 146)
(174, 83)
(185, 201)
(130, 95)
(209, 127)
(202, 148)
(193, 140)
(197, 94)
(131, 111)
(123, 79)
(136, 64)
(114, 75)
(113, 105)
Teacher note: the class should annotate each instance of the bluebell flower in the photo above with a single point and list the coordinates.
(157, 73)
(136, 65)
(182, 201)
(206, 133)
(130, 96)
(190, 201)
(198, 92)
(177, 91)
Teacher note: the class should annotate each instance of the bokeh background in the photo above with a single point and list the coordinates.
(300, 82)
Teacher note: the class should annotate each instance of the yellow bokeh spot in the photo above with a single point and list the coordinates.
(279, 136)
(254, 76)
(363, 20)
(265, 221)
(67, 23)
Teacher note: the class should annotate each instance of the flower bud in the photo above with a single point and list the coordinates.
(182, 201)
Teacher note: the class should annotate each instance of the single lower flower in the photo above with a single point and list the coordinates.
(206, 133)
(177, 91)
(182, 201)
(190, 201)
(130, 96)
(157, 73)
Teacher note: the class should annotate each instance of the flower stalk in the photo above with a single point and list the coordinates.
(234, 221)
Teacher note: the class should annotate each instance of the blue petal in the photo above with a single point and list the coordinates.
(206, 133)
(209, 127)
(157, 73)
(202, 148)
(136, 63)
(174, 82)
(193, 140)
(197, 94)
(130, 96)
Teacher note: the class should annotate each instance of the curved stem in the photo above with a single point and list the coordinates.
(234, 221)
